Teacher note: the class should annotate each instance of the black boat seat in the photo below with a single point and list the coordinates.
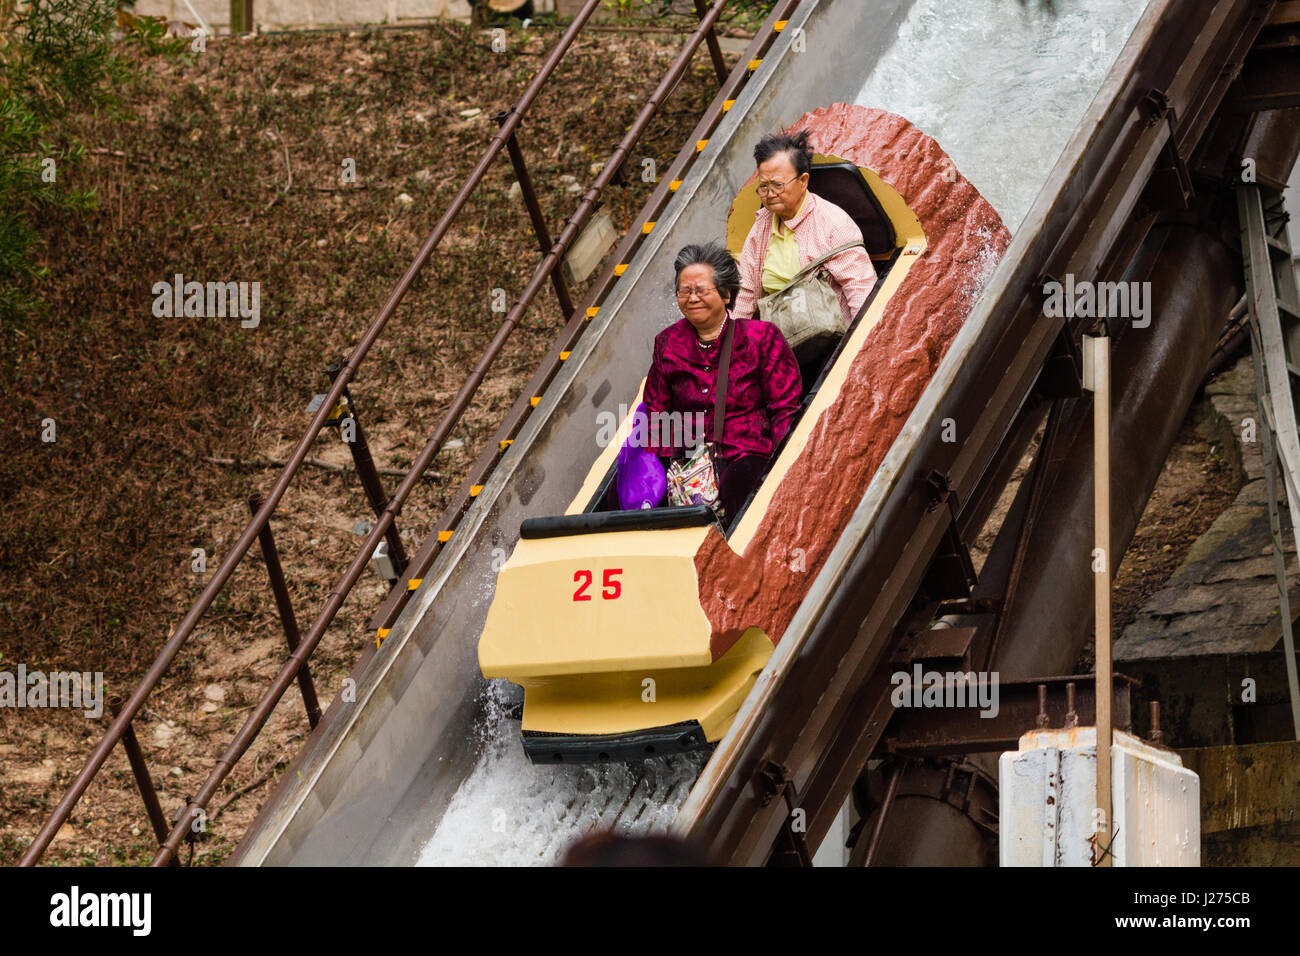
(842, 184)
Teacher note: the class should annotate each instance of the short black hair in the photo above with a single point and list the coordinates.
(795, 147)
(726, 274)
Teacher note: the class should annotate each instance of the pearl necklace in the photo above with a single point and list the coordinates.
(706, 348)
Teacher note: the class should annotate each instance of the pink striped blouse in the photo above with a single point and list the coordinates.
(820, 226)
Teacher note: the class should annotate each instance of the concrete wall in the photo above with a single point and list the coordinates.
(289, 14)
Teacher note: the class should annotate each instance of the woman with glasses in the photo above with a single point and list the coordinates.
(793, 227)
(763, 383)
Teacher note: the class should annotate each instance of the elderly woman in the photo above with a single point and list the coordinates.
(763, 383)
(794, 227)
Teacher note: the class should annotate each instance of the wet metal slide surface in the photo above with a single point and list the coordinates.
(427, 768)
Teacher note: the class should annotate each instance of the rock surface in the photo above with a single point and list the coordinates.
(1223, 599)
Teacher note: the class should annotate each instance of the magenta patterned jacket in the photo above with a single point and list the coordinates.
(820, 227)
(763, 392)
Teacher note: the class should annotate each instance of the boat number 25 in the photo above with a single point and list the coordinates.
(610, 590)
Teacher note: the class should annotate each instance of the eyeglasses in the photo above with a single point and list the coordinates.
(764, 189)
(684, 294)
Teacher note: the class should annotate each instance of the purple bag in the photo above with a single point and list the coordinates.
(640, 480)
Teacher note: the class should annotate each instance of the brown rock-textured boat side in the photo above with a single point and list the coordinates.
(814, 500)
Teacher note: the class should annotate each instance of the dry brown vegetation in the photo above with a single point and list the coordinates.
(95, 551)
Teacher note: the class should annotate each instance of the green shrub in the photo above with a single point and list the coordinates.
(56, 56)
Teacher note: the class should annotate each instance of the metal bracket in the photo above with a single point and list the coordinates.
(1154, 106)
(771, 781)
(1061, 375)
(1170, 184)
(951, 574)
(939, 491)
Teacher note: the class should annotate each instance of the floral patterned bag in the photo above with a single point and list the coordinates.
(694, 481)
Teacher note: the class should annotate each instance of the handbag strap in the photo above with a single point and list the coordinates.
(720, 389)
(820, 259)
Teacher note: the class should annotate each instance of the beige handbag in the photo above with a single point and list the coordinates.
(807, 310)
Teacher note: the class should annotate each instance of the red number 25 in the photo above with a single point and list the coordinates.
(611, 589)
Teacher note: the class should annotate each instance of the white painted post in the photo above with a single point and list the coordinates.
(1097, 378)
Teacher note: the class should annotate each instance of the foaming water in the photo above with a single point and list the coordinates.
(511, 812)
(1001, 86)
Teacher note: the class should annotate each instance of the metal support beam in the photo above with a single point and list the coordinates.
(1273, 332)
(930, 732)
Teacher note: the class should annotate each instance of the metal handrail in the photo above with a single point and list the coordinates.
(296, 664)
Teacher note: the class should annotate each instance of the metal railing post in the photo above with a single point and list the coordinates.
(285, 606)
(535, 214)
(715, 48)
(369, 475)
(143, 781)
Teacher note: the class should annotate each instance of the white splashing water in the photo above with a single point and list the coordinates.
(1001, 87)
(510, 812)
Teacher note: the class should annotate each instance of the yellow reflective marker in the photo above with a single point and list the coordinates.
(700, 144)
(534, 400)
(380, 635)
(474, 490)
(753, 65)
(564, 356)
(647, 227)
(727, 104)
(505, 443)
(674, 184)
(444, 536)
(620, 268)
(779, 25)
(591, 313)
(414, 583)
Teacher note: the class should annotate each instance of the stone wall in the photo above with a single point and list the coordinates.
(1223, 599)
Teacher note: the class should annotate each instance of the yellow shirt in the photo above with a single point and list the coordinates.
(781, 261)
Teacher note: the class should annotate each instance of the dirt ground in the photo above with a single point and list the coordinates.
(230, 169)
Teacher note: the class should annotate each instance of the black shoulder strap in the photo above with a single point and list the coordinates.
(720, 391)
